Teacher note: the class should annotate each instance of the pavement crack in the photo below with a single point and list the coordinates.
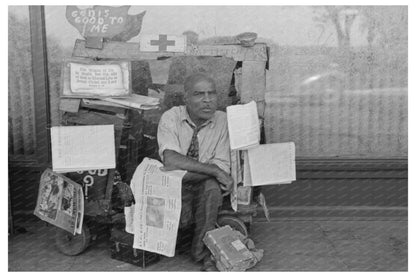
(331, 243)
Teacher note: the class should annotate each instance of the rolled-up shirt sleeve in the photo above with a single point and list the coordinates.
(167, 134)
(222, 151)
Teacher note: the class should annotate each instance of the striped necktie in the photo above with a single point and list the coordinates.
(193, 150)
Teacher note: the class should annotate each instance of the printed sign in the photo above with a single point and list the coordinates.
(156, 43)
(84, 78)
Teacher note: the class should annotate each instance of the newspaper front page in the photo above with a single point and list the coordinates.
(60, 202)
(154, 219)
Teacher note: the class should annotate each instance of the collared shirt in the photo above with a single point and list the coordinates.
(175, 133)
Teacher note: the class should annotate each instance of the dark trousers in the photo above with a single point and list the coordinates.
(200, 205)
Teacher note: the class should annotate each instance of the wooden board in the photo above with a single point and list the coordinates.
(253, 85)
(69, 104)
(131, 51)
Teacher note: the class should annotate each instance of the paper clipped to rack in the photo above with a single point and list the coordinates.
(80, 148)
(243, 126)
(270, 164)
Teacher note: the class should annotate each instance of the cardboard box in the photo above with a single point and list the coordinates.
(230, 253)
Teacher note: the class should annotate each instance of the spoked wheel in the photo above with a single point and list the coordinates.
(234, 222)
(70, 244)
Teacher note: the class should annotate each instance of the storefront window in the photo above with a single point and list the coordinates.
(335, 93)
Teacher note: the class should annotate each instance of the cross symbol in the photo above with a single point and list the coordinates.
(163, 42)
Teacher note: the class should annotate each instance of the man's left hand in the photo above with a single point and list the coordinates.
(225, 180)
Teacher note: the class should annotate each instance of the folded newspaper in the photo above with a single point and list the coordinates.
(60, 202)
(154, 219)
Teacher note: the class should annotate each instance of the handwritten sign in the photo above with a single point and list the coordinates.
(96, 79)
(99, 21)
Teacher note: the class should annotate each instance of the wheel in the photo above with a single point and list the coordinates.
(70, 244)
(234, 222)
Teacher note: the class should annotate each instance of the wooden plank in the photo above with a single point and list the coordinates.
(253, 86)
(131, 51)
(84, 117)
(69, 104)
(256, 53)
(41, 83)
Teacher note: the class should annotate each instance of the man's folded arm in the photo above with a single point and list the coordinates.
(197, 171)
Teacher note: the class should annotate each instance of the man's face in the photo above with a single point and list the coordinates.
(201, 101)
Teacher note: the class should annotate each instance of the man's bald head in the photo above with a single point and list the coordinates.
(193, 79)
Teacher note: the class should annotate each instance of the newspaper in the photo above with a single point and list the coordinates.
(60, 202)
(243, 126)
(154, 219)
(270, 164)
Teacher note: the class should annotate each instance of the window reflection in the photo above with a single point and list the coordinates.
(334, 92)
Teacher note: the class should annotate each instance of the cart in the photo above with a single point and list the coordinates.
(103, 198)
(249, 81)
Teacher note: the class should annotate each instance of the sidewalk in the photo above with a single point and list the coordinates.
(289, 245)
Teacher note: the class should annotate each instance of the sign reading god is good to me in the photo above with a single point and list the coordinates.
(101, 21)
(96, 79)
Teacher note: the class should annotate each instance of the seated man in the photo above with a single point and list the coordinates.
(194, 138)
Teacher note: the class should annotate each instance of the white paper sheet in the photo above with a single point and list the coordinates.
(270, 164)
(243, 126)
(154, 219)
(79, 148)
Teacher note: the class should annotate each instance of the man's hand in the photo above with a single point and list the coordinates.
(225, 179)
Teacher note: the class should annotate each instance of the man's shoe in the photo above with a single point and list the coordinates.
(208, 264)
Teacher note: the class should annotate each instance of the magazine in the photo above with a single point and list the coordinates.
(60, 202)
